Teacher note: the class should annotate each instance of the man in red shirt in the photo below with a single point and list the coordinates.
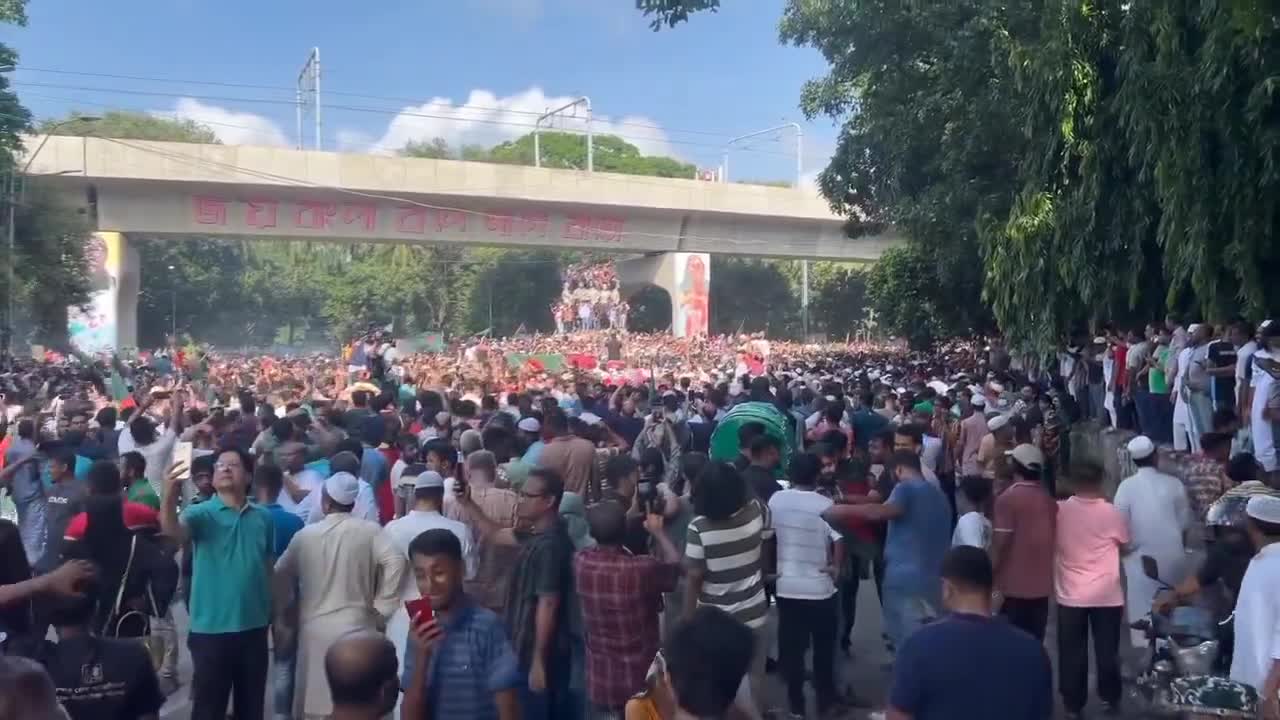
(621, 599)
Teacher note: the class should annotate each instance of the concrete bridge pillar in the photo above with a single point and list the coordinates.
(110, 320)
(687, 279)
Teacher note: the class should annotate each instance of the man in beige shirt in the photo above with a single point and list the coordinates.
(570, 456)
(489, 585)
(346, 575)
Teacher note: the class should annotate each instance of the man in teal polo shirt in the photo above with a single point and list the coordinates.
(232, 543)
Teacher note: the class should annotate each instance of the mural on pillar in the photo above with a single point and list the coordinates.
(93, 327)
(692, 307)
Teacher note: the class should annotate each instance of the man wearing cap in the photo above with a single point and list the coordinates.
(531, 428)
(425, 514)
(1158, 514)
(311, 509)
(347, 576)
(1022, 542)
(973, 430)
(1256, 658)
(994, 445)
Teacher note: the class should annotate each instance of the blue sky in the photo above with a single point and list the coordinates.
(479, 68)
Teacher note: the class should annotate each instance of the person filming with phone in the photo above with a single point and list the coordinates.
(459, 663)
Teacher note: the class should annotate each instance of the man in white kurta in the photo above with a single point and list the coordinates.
(1158, 514)
(348, 577)
(428, 499)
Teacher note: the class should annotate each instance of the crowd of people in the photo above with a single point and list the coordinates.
(647, 531)
(590, 299)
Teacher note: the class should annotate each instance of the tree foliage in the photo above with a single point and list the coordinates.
(669, 13)
(1061, 163)
(131, 126)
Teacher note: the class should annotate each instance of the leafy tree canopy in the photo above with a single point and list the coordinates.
(131, 126)
(669, 13)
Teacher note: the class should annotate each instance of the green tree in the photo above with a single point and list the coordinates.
(569, 150)
(752, 295)
(930, 140)
(669, 13)
(898, 289)
(837, 297)
(434, 149)
(128, 125)
(52, 272)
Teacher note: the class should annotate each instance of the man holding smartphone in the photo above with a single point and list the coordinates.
(459, 663)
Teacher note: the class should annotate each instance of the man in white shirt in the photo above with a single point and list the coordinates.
(155, 443)
(299, 480)
(311, 508)
(348, 577)
(810, 554)
(1261, 426)
(1256, 659)
(428, 501)
(1158, 514)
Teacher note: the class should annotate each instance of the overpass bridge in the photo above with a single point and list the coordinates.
(183, 189)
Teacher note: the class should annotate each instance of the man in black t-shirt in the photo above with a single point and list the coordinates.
(98, 678)
(766, 453)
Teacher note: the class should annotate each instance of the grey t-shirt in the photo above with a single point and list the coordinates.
(62, 502)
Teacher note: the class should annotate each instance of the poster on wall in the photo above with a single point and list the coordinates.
(92, 328)
(691, 316)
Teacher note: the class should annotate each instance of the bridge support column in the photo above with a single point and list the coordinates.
(110, 320)
(687, 279)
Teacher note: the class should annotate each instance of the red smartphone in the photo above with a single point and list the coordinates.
(419, 610)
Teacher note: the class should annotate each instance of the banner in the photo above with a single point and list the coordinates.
(429, 342)
(540, 362)
(93, 328)
(691, 314)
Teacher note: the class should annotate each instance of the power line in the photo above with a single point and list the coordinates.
(362, 109)
(652, 181)
(389, 98)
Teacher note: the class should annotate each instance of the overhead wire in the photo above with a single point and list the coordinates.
(652, 181)
(389, 98)
(377, 111)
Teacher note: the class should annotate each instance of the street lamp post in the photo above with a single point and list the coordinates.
(724, 177)
(173, 307)
(15, 190)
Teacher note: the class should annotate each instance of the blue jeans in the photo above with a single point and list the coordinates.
(906, 611)
(282, 679)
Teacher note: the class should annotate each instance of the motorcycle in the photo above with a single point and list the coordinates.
(1182, 650)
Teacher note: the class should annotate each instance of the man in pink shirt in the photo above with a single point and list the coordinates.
(1091, 534)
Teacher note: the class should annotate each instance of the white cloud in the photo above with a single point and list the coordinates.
(231, 127)
(486, 119)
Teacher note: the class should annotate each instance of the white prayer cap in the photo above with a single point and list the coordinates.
(427, 480)
(590, 418)
(997, 422)
(1265, 508)
(1141, 447)
(342, 488)
(530, 424)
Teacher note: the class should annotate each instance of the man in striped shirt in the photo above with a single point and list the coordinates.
(724, 556)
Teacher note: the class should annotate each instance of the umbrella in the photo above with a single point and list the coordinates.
(724, 441)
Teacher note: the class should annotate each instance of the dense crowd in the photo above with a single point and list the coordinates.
(599, 525)
(590, 299)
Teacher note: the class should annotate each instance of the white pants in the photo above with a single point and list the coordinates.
(1184, 439)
